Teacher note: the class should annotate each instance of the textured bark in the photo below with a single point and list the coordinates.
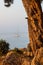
(35, 23)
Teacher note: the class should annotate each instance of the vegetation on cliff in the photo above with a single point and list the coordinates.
(4, 47)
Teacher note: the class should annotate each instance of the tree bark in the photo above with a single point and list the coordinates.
(35, 23)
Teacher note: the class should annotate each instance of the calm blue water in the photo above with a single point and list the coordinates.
(15, 40)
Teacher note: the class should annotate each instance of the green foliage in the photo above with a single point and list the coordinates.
(18, 51)
(4, 47)
(9, 2)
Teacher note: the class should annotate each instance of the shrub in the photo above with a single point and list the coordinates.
(18, 51)
(4, 47)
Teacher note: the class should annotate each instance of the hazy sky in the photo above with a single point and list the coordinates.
(12, 19)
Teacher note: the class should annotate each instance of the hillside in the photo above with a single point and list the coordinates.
(15, 58)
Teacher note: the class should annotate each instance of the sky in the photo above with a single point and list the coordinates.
(42, 5)
(12, 19)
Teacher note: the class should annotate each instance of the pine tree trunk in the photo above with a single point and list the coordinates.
(35, 23)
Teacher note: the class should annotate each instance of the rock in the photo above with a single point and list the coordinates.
(35, 29)
(26, 62)
(35, 23)
(15, 59)
(11, 59)
(18, 59)
(38, 58)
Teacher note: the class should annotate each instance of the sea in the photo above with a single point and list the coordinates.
(15, 40)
